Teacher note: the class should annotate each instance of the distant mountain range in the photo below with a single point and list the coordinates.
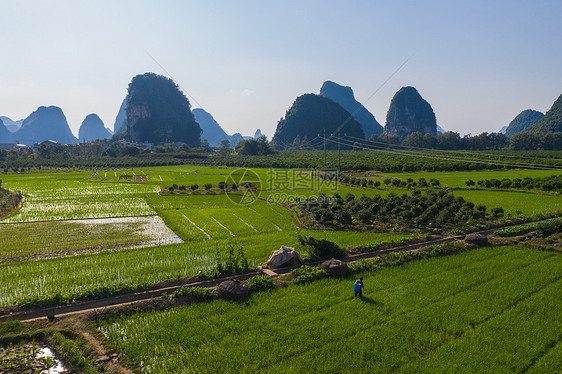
(6, 135)
(309, 116)
(212, 131)
(160, 113)
(12, 126)
(46, 123)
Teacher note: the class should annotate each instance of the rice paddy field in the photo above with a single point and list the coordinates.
(44, 239)
(78, 231)
(514, 203)
(493, 310)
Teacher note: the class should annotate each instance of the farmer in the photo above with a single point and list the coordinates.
(358, 287)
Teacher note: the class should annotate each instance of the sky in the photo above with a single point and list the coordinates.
(478, 63)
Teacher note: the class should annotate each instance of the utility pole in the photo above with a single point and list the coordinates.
(339, 154)
(324, 149)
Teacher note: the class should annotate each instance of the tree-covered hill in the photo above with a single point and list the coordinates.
(343, 95)
(408, 113)
(552, 120)
(158, 112)
(523, 120)
(309, 116)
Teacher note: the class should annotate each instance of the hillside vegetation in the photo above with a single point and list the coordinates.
(408, 113)
(158, 112)
(552, 120)
(310, 116)
(523, 120)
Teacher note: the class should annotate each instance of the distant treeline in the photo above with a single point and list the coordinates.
(388, 160)
(95, 155)
(484, 141)
(384, 158)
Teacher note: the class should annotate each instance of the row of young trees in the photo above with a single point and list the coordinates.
(550, 183)
(395, 182)
(208, 186)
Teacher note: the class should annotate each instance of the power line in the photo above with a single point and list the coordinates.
(352, 115)
(172, 78)
(405, 152)
(420, 155)
(454, 151)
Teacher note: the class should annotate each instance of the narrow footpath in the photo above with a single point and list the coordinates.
(88, 306)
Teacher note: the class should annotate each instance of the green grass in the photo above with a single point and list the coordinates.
(528, 204)
(457, 179)
(186, 215)
(487, 310)
(260, 228)
(550, 362)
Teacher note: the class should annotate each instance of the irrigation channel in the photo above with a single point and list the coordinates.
(80, 307)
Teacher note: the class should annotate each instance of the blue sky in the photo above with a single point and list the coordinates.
(478, 63)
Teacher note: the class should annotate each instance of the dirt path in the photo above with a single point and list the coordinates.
(120, 300)
(88, 306)
(110, 360)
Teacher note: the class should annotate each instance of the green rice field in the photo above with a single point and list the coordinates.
(487, 310)
(55, 247)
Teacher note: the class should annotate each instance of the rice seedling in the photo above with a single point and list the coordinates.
(45, 239)
(486, 308)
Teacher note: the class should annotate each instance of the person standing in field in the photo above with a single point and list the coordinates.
(358, 287)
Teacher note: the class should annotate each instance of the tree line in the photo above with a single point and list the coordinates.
(260, 153)
(484, 141)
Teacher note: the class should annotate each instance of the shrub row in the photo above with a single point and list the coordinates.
(38, 301)
(306, 273)
(395, 182)
(542, 228)
(550, 183)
